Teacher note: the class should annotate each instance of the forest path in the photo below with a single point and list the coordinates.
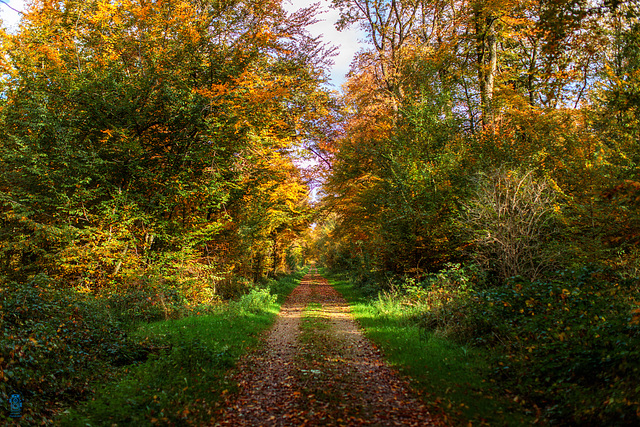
(317, 368)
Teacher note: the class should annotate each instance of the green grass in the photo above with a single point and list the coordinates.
(453, 379)
(185, 381)
(313, 319)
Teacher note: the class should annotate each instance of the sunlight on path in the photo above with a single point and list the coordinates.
(320, 371)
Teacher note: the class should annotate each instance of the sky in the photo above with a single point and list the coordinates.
(9, 16)
(347, 41)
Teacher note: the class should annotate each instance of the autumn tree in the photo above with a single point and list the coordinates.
(449, 90)
(128, 129)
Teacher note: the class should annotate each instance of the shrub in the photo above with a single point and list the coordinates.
(443, 296)
(53, 343)
(135, 305)
(513, 218)
(254, 302)
(570, 345)
(233, 287)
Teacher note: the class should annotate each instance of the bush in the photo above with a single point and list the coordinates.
(233, 287)
(570, 345)
(513, 217)
(443, 296)
(135, 305)
(254, 302)
(54, 343)
(435, 303)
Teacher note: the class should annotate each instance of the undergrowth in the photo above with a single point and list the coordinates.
(570, 345)
(184, 382)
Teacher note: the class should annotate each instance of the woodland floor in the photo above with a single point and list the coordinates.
(316, 368)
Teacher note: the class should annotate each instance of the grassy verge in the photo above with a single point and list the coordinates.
(453, 379)
(185, 381)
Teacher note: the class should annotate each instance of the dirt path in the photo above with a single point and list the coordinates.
(316, 368)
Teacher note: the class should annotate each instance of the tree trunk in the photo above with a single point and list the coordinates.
(487, 54)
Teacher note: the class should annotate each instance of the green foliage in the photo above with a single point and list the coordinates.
(56, 344)
(234, 287)
(262, 298)
(255, 301)
(429, 297)
(570, 345)
(188, 373)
